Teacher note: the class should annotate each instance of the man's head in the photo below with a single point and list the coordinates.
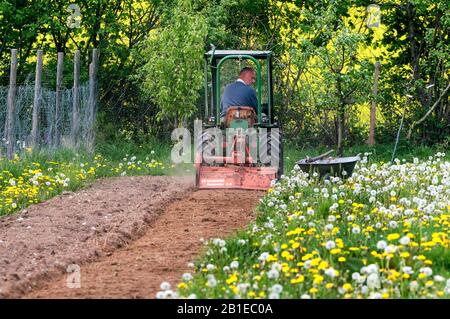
(248, 75)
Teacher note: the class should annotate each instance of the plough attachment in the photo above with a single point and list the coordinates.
(234, 176)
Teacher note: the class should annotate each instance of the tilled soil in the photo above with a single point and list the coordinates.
(38, 244)
(147, 229)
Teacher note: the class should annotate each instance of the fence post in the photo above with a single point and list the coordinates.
(59, 81)
(9, 128)
(75, 98)
(93, 67)
(37, 101)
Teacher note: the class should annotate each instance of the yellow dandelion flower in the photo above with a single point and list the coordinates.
(335, 251)
(347, 287)
(313, 290)
(393, 236)
(182, 285)
(231, 279)
(298, 280)
(318, 279)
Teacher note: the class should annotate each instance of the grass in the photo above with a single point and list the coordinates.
(112, 159)
(34, 177)
(381, 234)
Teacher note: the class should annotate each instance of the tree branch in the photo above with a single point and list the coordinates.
(429, 111)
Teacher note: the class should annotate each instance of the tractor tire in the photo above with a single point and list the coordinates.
(266, 143)
(205, 145)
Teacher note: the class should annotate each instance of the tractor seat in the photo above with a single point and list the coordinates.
(240, 112)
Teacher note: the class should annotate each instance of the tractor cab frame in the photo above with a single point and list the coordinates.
(222, 169)
(215, 59)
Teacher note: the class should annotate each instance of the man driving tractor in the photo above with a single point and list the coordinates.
(240, 92)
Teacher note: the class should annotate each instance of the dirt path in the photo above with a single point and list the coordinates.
(127, 235)
(39, 243)
(163, 253)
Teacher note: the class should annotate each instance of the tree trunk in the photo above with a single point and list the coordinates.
(373, 109)
(341, 125)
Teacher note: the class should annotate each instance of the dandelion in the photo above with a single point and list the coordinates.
(264, 256)
(187, 277)
(393, 224)
(373, 281)
(407, 270)
(390, 249)
(375, 295)
(405, 240)
(274, 295)
(381, 245)
(427, 271)
(234, 265)
(165, 285)
(277, 288)
(273, 274)
(330, 272)
(331, 218)
(330, 245)
(211, 281)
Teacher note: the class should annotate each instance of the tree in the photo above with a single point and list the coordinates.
(173, 73)
(418, 56)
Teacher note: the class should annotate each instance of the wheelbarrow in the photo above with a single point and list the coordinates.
(328, 166)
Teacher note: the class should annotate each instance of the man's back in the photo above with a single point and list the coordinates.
(238, 94)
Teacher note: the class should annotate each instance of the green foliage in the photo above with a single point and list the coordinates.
(418, 54)
(173, 73)
(310, 40)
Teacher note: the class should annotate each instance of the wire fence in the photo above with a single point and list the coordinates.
(39, 117)
(47, 121)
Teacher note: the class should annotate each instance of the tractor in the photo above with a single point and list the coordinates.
(243, 151)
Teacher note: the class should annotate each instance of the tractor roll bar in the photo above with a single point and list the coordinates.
(258, 76)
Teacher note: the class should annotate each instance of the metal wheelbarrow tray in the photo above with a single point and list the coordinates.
(330, 167)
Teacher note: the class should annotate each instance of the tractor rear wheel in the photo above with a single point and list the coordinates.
(273, 143)
(205, 145)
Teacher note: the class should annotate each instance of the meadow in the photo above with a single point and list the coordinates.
(380, 233)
